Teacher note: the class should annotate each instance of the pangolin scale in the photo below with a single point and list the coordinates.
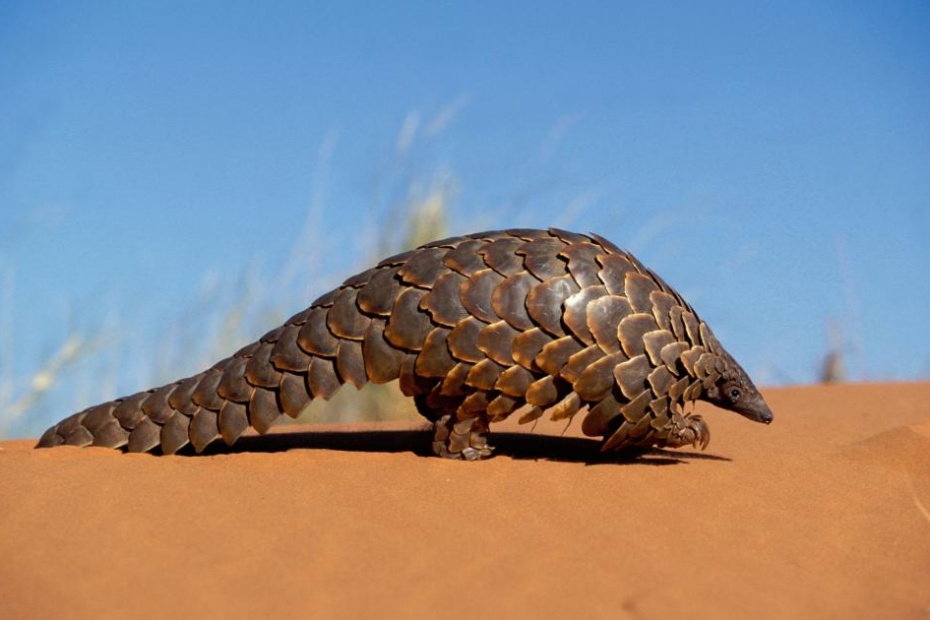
(474, 328)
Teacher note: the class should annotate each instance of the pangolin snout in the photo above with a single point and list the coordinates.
(761, 412)
(755, 409)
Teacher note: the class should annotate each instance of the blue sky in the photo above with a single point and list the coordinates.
(770, 160)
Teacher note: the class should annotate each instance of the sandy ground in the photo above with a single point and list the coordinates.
(824, 514)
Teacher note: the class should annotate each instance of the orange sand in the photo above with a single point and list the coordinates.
(824, 514)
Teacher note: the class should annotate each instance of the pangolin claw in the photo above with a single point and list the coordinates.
(686, 430)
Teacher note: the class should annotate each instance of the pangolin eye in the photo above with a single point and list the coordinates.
(734, 394)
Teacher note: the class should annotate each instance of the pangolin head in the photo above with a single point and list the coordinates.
(731, 387)
(735, 391)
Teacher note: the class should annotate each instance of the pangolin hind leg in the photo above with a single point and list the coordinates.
(461, 439)
(457, 434)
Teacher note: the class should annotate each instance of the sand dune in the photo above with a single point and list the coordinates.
(823, 514)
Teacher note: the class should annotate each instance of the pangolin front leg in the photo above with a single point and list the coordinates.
(474, 328)
(684, 430)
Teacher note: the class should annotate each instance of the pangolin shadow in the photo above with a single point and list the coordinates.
(520, 446)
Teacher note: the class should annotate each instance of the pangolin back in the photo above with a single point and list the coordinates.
(474, 328)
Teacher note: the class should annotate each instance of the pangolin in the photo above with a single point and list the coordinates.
(474, 328)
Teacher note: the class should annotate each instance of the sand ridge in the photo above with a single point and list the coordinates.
(821, 514)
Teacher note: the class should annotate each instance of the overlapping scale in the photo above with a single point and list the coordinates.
(435, 360)
(500, 256)
(382, 361)
(575, 311)
(182, 397)
(614, 268)
(544, 303)
(145, 436)
(635, 410)
(631, 331)
(350, 364)
(453, 384)
(263, 409)
(638, 288)
(692, 327)
(423, 267)
(476, 293)
(578, 362)
(465, 259)
(603, 316)
(541, 258)
(662, 303)
(556, 353)
(653, 343)
(129, 413)
(202, 429)
(343, 319)
(532, 414)
(259, 371)
(173, 435)
(631, 375)
(542, 392)
(205, 395)
(496, 341)
(508, 301)
(463, 340)
(155, 406)
(378, 295)
(112, 435)
(232, 385)
(233, 420)
(322, 381)
(568, 236)
(408, 327)
(514, 381)
(597, 380)
(292, 393)
(502, 406)
(483, 375)
(600, 416)
(527, 345)
(582, 262)
(443, 302)
(314, 336)
(565, 408)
